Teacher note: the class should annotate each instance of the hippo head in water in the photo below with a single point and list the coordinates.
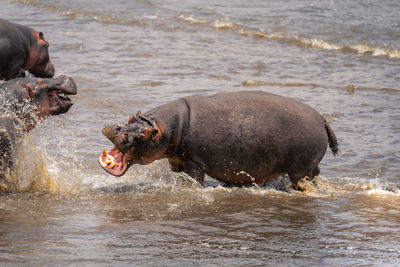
(33, 99)
(139, 141)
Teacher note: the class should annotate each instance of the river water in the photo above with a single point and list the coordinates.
(341, 57)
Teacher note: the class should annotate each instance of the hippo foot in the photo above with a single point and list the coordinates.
(306, 184)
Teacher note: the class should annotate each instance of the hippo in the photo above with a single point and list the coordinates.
(240, 138)
(22, 48)
(23, 103)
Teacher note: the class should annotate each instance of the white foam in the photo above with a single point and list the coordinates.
(192, 20)
(220, 24)
(379, 192)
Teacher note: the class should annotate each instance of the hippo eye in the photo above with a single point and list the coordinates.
(40, 82)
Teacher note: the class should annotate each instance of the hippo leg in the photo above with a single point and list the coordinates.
(300, 174)
(309, 174)
(194, 171)
(315, 172)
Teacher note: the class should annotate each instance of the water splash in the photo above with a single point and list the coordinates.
(27, 171)
(31, 173)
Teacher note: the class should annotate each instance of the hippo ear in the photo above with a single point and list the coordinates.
(130, 120)
(147, 133)
(41, 40)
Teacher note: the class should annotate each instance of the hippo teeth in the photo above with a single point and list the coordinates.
(114, 161)
(110, 161)
(63, 96)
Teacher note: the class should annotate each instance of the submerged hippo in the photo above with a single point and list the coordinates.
(239, 138)
(23, 103)
(22, 48)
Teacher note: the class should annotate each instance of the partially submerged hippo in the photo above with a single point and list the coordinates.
(22, 48)
(23, 103)
(239, 138)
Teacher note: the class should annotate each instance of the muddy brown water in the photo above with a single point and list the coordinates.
(341, 57)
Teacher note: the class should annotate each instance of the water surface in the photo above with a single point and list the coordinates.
(340, 57)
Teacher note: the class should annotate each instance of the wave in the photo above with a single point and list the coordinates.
(350, 88)
(192, 20)
(357, 48)
(256, 83)
(75, 13)
(367, 49)
(320, 187)
(149, 83)
(345, 186)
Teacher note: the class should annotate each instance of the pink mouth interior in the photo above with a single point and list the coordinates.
(114, 161)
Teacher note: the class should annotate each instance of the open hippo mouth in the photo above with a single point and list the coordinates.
(119, 158)
(133, 143)
(114, 161)
(60, 101)
(59, 90)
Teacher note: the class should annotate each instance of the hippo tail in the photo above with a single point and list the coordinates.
(333, 144)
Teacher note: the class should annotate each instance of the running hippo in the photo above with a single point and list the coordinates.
(23, 103)
(239, 138)
(22, 48)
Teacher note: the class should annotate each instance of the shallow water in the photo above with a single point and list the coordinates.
(341, 57)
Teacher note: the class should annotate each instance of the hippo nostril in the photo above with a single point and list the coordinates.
(110, 132)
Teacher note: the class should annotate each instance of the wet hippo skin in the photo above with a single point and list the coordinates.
(239, 138)
(23, 103)
(22, 48)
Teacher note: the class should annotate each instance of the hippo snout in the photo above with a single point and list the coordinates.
(63, 83)
(110, 131)
(49, 70)
(44, 71)
(118, 138)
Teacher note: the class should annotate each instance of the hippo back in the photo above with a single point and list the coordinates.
(263, 133)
